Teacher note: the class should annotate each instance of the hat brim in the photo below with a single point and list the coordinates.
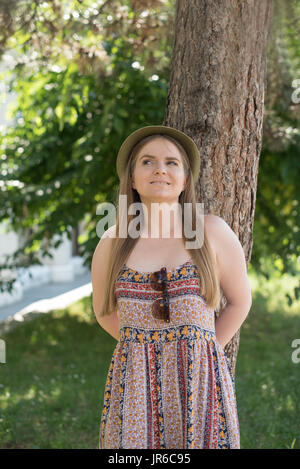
(187, 143)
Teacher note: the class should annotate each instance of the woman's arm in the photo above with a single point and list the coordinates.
(110, 324)
(232, 271)
(99, 272)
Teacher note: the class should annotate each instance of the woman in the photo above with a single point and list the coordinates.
(169, 384)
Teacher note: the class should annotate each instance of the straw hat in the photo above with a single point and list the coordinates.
(187, 143)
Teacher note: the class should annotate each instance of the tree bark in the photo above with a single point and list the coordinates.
(216, 96)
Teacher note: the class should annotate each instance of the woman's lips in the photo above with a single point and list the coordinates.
(160, 183)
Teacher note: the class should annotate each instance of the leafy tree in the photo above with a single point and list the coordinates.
(87, 73)
(277, 220)
(58, 160)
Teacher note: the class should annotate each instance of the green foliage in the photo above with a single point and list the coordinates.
(58, 159)
(277, 217)
(87, 75)
(276, 226)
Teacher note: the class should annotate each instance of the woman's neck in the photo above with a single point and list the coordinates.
(164, 221)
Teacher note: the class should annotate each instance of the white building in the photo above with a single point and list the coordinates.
(63, 267)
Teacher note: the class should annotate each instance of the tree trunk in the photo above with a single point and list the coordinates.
(216, 96)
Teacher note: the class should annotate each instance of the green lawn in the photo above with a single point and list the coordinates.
(51, 386)
(267, 380)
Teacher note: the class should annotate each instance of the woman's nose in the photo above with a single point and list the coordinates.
(162, 169)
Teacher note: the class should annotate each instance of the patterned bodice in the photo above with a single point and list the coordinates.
(187, 307)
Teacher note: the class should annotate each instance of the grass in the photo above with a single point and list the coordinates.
(267, 379)
(52, 384)
(51, 387)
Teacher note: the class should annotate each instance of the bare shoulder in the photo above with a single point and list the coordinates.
(220, 235)
(103, 247)
(214, 226)
(101, 254)
(110, 232)
(231, 262)
(100, 268)
(213, 220)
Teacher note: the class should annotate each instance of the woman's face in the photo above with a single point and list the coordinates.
(159, 160)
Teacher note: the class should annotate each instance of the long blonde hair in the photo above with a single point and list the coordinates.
(121, 248)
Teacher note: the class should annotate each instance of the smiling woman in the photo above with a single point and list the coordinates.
(169, 384)
(167, 175)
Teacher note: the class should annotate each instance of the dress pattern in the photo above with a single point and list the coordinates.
(169, 385)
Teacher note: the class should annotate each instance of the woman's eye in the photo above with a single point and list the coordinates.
(145, 161)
